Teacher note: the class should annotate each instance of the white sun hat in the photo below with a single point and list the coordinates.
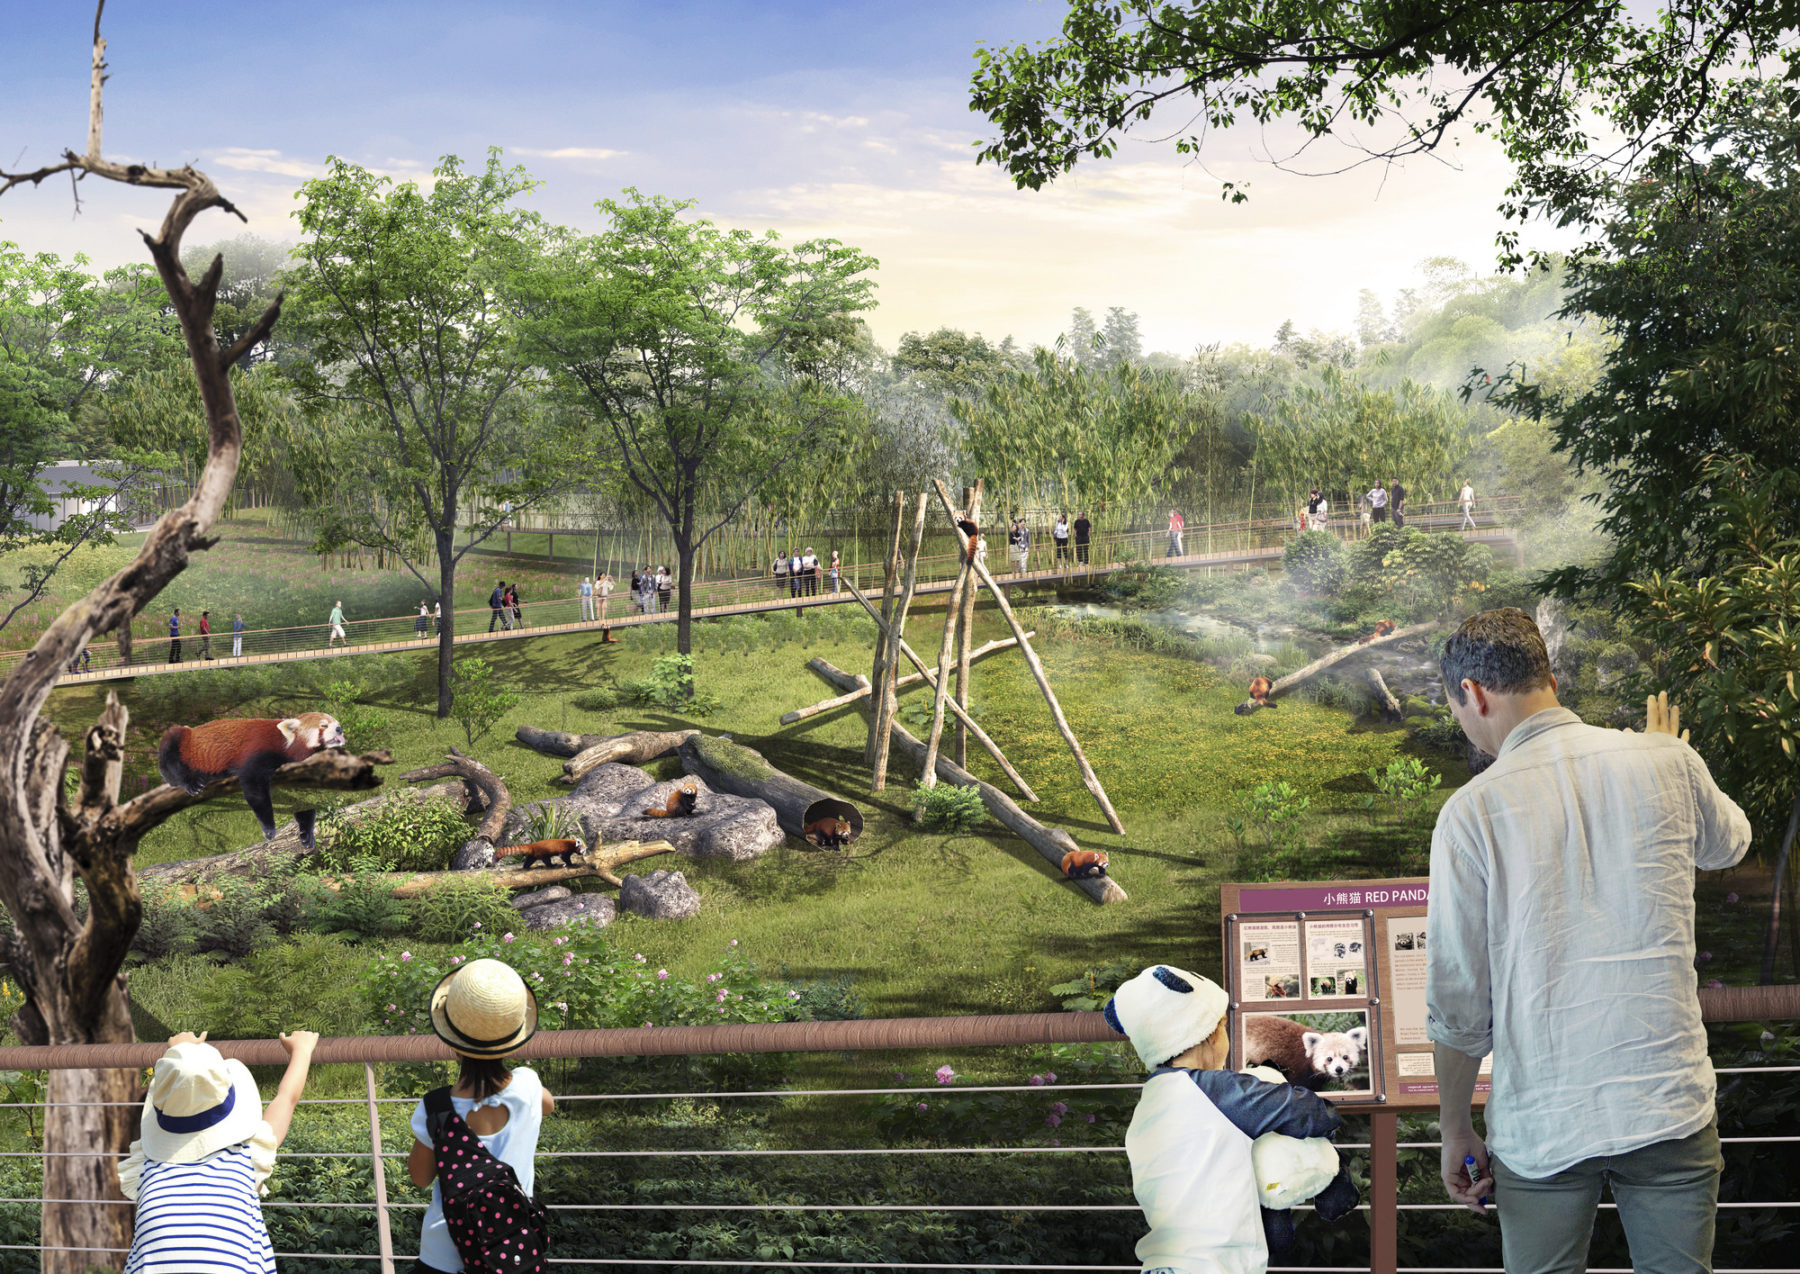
(199, 1102)
(484, 1009)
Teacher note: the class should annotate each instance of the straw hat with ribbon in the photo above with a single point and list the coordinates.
(199, 1102)
(484, 1009)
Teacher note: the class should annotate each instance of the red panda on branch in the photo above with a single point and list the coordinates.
(543, 851)
(249, 749)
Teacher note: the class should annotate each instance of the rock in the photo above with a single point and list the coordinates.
(721, 826)
(662, 895)
(538, 897)
(593, 909)
(473, 856)
(1553, 623)
(599, 796)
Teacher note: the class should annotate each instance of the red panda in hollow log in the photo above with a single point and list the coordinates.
(249, 749)
(827, 833)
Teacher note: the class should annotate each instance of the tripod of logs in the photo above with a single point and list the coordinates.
(955, 655)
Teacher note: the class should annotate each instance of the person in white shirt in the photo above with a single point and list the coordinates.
(1060, 535)
(1378, 501)
(1561, 939)
(1468, 507)
(809, 573)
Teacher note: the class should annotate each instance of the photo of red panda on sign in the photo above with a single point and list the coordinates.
(1326, 1052)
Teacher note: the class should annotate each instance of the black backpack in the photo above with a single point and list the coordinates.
(495, 1225)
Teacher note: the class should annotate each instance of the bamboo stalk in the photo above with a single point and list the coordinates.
(1088, 776)
(910, 679)
(888, 704)
(981, 736)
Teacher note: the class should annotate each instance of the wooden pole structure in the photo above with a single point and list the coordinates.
(952, 614)
(891, 570)
(887, 705)
(1037, 670)
(1051, 842)
(966, 632)
(981, 736)
(910, 679)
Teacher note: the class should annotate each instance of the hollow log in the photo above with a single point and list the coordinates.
(495, 798)
(1384, 698)
(1051, 842)
(741, 771)
(1319, 665)
(910, 679)
(636, 748)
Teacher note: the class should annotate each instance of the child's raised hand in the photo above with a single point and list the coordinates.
(299, 1041)
(187, 1037)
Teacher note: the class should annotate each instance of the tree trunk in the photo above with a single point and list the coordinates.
(1772, 939)
(446, 544)
(684, 599)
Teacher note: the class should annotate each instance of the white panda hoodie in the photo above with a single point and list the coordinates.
(1192, 1173)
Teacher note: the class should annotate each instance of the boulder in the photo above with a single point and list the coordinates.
(538, 897)
(721, 826)
(475, 855)
(593, 909)
(1553, 623)
(599, 797)
(662, 895)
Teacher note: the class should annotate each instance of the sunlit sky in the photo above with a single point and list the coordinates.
(839, 119)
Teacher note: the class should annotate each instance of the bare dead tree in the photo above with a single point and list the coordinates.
(68, 966)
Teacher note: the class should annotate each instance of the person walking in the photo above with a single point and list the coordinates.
(587, 600)
(337, 626)
(809, 567)
(237, 636)
(515, 605)
(484, 1012)
(795, 565)
(1397, 501)
(206, 634)
(605, 590)
(1377, 499)
(1315, 510)
(1177, 524)
(437, 618)
(423, 621)
(1467, 499)
(497, 606)
(646, 590)
(837, 570)
(81, 661)
(175, 636)
(1060, 535)
(206, 1147)
(1083, 531)
(778, 569)
(1560, 939)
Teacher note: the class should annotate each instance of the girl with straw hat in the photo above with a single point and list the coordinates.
(206, 1148)
(483, 1011)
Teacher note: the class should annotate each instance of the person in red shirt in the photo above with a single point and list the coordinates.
(205, 634)
(1176, 526)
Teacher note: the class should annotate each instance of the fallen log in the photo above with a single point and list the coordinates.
(741, 771)
(556, 742)
(636, 748)
(1384, 698)
(910, 679)
(1051, 842)
(495, 797)
(1319, 665)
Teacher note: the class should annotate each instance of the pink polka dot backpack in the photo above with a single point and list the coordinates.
(495, 1225)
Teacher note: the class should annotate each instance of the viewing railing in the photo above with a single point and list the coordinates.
(1224, 544)
(958, 1033)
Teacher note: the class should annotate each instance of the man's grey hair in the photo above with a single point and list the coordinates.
(1500, 650)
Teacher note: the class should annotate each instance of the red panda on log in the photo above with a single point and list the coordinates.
(249, 749)
(543, 851)
(679, 805)
(1080, 864)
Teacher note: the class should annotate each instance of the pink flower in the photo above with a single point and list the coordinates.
(1035, 1081)
(405, 956)
(1731, 897)
(1714, 982)
(1049, 1077)
(662, 975)
(647, 1022)
(721, 997)
(1090, 1119)
(923, 1108)
(1051, 1121)
(945, 1074)
(392, 1008)
(478, 924)
(734, 942)
(1055, 1142)
(506, 937)
(1058, 1109)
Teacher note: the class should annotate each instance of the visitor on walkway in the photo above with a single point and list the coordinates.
(237, 636)
(665, 587)
(646, 590)
(497, 605)
(795, 566)
(1397, 501)
(484, 1012)
(515, 605)
(206, 634)
(80, 662)
(206, 1148)
(779, 569)
(837, 570)
(337, 626)
(809, 566)
(1316, 508)
(1021, 546)
(1083, 531)
(1560, 939)
(605, 588)
(1377, 500)
(437, 618)
(175, 636)
(1177, 524)
(422, 623)
(1468, 507)
(587, 600)
(1060, 534)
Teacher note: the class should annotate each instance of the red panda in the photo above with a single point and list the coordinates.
(249, 749)
(679, 805)
(1079, 864)
(1260, 689)
(828, 833)
(1382, 629)
(543, 851)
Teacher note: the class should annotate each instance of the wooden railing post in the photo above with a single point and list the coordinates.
(1384, 1198)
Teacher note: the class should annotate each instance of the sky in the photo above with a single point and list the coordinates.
(845, 119)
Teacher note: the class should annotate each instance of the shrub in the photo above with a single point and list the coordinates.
(480, 700)
(598, 699)
(823, 999)
(304, 983)
(465, 903)
(170, 926)
(1406, 785)
(916, 713)
(364, 728)
(949, 808)
(1442, 733)
(1333, 692)
(405, 833)
(1141, 585)
(1317, 562)
(1094, 987)
(232, 925)
(551, 821)
(670, 685)
(362, 908)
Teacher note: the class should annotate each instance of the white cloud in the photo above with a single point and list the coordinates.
(571, 152)
(244, 159)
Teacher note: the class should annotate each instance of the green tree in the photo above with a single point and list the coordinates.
(1574, 91)
(414, 377)
(950, 362)
(711, 359)
(481, 699)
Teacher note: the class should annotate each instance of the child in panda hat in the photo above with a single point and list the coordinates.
(1215, 1163)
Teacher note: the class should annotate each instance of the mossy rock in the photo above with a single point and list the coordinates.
(1417, 706)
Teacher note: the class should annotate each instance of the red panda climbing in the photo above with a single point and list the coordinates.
(828, 833)
(1382, 629)
(543, 851)
(1079, 864)
(248, 749)
(679, 805)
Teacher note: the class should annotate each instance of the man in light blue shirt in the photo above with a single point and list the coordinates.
(1561, 938)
